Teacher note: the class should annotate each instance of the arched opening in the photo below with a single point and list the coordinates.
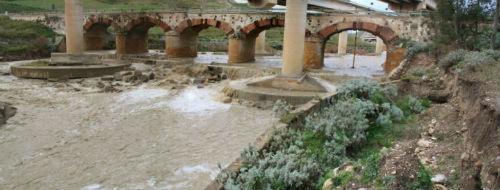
(184, 41)
(137, 34)
(98, 34)
(156, 39)
(263, 38)
(212, 45)
(339, 48)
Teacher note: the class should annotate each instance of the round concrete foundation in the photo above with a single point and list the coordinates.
(66, 72)
(241, 90)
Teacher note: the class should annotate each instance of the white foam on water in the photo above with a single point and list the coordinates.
(140, 96)
(91, 187)
(195, 100)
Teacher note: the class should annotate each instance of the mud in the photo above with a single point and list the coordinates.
(164, 134)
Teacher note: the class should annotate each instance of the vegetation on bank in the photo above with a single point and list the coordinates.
(363, 118)
(24, 38)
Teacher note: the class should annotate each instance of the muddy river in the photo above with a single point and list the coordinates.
(147, 137)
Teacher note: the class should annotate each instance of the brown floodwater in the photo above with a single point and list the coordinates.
(146, 137)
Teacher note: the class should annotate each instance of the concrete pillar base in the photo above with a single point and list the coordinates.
(241, 50)
(59, 59)
(292, 83)
(313, 53)
(181, 45)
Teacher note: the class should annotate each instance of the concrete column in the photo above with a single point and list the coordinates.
(241, 50)
(121, 42)
(380, 46)
(260, 43)
(342, 48)
(181, 45)
(73, 15)
(293, 43)
(314, 52)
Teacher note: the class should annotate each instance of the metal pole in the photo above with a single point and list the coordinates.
(355, 47)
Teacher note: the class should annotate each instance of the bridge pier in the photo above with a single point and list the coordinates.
(241, 50)
(181, 45)
(294, 37)
(342, 45)
(121, 42)
(260, 44)
(136, 42)
(380, 46)
(74, 30)
(314, 52)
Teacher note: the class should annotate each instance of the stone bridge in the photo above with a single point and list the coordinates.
(242, 29)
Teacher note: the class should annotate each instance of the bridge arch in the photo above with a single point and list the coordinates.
(96, 35)
(199, 24)
(385, 33)
(315, 55)
(183, 40)
(136, 33)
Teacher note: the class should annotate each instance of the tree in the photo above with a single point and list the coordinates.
(457, 22)
(495, 25)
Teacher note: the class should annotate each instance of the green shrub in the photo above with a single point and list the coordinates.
(471, 59)
(416, 48)
(300, 158)
(281, 108)
(372, 169)
(342, 179)
(419, 71)
(423, 179)
(452, 58)
(364, 89)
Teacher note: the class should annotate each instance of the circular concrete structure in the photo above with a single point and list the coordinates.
(242, 89)
(66, 72)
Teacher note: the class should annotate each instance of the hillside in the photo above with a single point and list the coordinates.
(58, 5)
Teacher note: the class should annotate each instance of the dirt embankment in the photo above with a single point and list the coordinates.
(459, 135)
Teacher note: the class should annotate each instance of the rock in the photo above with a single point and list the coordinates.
(439, 187)
(137, 73)
(144, 78)
(100, 84)
(6, 111)
(328, 184)
(439, 178)
(150, 62)
(223, 76)
(424, 143)
(128, 78)
(363, 188)
(431, 130)
(198, 80)
(227, 100)
(110, 89)
(52, 79)
(385, 151)
(393, 172)
(200, 86)
(349, 169)
(465, 156)
(107, 78)
(151, 76)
